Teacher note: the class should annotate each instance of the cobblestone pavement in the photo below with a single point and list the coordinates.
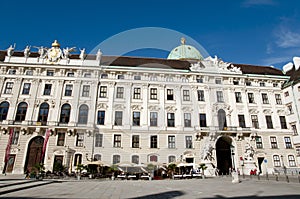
(220, 187)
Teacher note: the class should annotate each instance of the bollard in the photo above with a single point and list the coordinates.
(267, 176)
(276, 177)
(287, 179)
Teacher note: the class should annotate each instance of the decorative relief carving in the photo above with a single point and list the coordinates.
(153, 108)
(187, 109)
(170, 108)
(267, 111)
(253, 111)
(281, 112)
(119, 106)
(102, 106)
(136, 107)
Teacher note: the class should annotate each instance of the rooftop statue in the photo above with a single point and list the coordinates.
(27, 51)
(41, 50)
(67, 51)
(99, 55)
(54, 53)
(82, 54)
(10, 50)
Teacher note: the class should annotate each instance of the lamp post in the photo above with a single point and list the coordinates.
(232, 156)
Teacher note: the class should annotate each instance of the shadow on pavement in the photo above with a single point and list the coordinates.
(164, 195)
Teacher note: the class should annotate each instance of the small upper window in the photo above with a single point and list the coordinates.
(12, 72)
(235, 82)
(104, 76)
(199, 80)
(120, 76)
(50, 73)
(218, 81)
(87, 75)
(137, 77)
(29, 72)
(262, 84)
(286, 94)
(70, 74)
(275, 84)
(248, 83)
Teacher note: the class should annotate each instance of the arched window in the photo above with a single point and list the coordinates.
(135, 159)
(43, 113)
(21, 112)
(222, 119)
(65, 113)
(3, 110)
(83, 114)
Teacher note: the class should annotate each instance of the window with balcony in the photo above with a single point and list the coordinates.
(269, 122)
(153, 141)
(242, 123)
(187, 120)
(170, 119)
(186, 95)
(65, 113)
(273, 141)
(153, 118)
(101, 117)
(118, 118)
(83, 114)
(171, 141)
(170, 94)
(47, 89)
(8, 87)
(43, 113)
(26, 88)
(137, 93)
(202, 120)
(135, 141)
(21, 112)
(117, 140)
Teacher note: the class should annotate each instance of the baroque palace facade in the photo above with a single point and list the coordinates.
(141, 110)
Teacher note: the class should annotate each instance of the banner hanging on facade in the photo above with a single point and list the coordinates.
(48, 132)
(8, 146)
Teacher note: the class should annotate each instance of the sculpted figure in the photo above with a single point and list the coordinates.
(42, 51)
(10, 50)
(249, 152)
(67, 51)
(82, 54)
(99, 55)
(207, 153)
(27, 51)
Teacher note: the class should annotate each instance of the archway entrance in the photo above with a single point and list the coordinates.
(34, 153)
(223, 151)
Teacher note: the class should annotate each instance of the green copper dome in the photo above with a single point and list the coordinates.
(185, 52)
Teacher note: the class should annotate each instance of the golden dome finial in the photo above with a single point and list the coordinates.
(55, 44)
(183, 41)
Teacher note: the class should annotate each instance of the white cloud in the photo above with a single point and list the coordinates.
(287, 38)
(269, 49)
(250, 3)
(276, 60)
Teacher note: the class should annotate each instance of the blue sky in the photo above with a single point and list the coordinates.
(260, 32)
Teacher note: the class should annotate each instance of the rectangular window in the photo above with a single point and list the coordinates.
(248, 83)
(269, 121)
(101, 117)
(282, 122)
(238, 97)
(251, 98)
(265, 98)
(292, 162)
(153, 141)
(136, 117)
(259, 143)
(120, 92)
(220, 96)
(290, 109)
(98, 140)
(262, 84)
(254, 120)
(202, 119)
(8, 87)
(103, 92)
(201, 95)
(68, 90)
(199, 80)
(86, 91)
(295, 132)
(116, 159)
(80, 139)
(276, 161)
(137, 93)
(242, 121)
(15, 138)
(153, 118)
(186, 95)
(117, 140)
(278, 99)
(171, 119)
(286, 94)
(170, 95)
(218, 81)
(70, 74)
(137, 77)
(187, 120)
(153, 93)
(188, 142)
(135, 141)
(171, 141)
(120, 77)
(61, 139)
(47, 89)
(50, 73)
(118, 118)
(288, 143)
(26, 88)
(273, 142)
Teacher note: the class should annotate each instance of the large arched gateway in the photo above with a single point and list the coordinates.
(224, 155)
(34, 152)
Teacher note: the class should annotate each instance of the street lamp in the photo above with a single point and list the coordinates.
(232, 156)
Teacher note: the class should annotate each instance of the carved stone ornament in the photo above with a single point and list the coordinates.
(253, 111)
(54, 54)
(119, 106)
(267, 111)
(187, 109)
(136, 107)
(102, 106)
(281, 112)
(170, 108)
(197, 66)
(153, 108)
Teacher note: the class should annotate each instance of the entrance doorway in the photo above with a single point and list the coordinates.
(223, 151)
(34, 153)
(10, 163)
(58, 163)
